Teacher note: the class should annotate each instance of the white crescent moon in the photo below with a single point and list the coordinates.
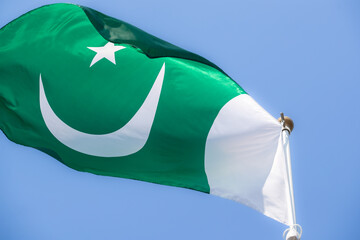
(127, 140)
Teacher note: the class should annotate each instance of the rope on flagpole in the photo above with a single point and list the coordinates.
(294, 232)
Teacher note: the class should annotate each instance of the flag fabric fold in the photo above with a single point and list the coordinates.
(104, 97)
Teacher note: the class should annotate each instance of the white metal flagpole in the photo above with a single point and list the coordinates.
(294, 231)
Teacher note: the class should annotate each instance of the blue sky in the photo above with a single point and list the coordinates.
(297, 57)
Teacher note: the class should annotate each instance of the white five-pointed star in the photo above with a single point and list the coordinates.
(107, 51)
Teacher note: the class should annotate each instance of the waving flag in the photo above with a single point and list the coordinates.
(104, 97)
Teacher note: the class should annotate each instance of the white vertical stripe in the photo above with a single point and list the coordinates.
(243, 158)
(275, 190)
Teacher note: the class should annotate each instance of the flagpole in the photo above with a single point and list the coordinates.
(294, 231)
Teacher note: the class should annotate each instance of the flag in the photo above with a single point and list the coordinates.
(104, 97)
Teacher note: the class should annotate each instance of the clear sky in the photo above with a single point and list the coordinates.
(297, 57)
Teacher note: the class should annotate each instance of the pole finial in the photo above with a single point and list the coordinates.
(286, 122)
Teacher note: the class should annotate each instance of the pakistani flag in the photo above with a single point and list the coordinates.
(104, 97)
